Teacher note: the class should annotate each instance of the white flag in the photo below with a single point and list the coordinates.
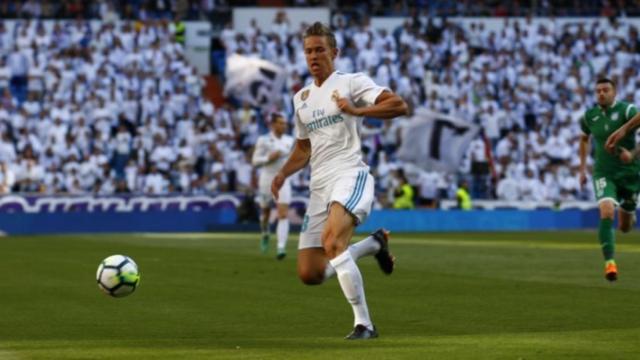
(254, 80)
(436, 141)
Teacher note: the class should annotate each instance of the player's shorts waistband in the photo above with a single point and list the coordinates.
(330, 181)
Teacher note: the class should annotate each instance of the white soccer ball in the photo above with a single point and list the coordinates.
(118, 276)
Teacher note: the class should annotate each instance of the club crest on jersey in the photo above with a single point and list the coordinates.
(304, 95)
(334, 95)
(595, 118)
(614, 117)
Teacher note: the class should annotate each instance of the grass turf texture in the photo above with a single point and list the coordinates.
(215, 296)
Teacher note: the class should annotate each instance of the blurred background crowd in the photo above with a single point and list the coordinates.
(114, 106)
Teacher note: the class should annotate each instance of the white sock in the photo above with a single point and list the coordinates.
(352, 286)
(329, 271)
(282, 229)
(368, 246)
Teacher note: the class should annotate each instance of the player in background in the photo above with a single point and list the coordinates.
(327, 115)
(270, 153)
(616, 182)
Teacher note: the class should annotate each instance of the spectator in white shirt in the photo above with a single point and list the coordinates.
(154, 182)
(132, 175)
(428, 189)
(122, 149)
(508, 189)
(29, 175)
(18, 63)
(163, 155)
(7, 149)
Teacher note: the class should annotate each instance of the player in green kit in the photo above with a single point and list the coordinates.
(616, 182)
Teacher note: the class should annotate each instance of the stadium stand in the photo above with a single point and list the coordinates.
(116, 108)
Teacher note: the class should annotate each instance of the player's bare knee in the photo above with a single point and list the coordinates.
(607, 210)
(282, 211)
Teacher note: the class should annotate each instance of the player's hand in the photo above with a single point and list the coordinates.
(614, 139)
(276, 184)
(275, 156)
(583, 178)
(625, 155)
(346, 107)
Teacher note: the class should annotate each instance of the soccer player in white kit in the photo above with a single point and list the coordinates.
(327, 113)
(270, 153)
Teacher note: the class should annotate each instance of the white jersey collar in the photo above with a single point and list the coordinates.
(325, 80)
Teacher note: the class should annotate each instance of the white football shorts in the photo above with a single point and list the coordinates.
(355, 191)
(265, 198)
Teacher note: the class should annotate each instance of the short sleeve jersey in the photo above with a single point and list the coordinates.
(600, 123)
(267, 144)
(334, 136)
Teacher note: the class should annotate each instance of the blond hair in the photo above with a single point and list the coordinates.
(320, 29)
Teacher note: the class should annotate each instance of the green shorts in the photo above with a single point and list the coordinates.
(623, 190)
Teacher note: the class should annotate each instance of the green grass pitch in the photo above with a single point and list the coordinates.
(215, 296)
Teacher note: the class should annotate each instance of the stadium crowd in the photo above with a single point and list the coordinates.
(118, 109)
(527, 85)
(104, 110)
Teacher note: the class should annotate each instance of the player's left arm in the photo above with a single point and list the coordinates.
(387, 106)
(366, 98)
(624, 130)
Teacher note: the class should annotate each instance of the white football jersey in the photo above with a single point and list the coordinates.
(265, 146)
(334, 137)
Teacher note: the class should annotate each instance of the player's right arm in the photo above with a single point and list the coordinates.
(585, 142)
(300, 155)
(261, 155)
(298, 159)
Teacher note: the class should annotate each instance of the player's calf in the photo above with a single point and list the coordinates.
(627, 219)
(264, 228)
